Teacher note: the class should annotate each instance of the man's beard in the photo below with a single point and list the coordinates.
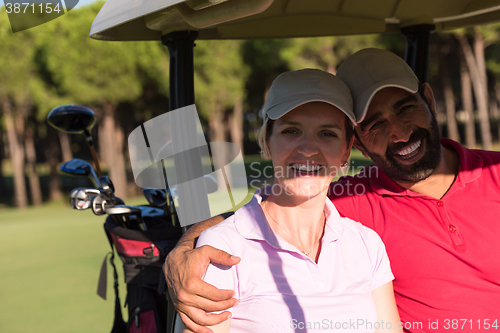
(419, 170)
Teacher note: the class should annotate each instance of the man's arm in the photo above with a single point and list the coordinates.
(184, 268)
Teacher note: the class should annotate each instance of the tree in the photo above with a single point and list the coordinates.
(467, 103)
(447, 48)
(17, 78)
(325, 53)
(474, 57)
(220, 77)
(100, 75)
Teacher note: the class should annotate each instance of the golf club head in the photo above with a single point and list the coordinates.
(107, 185)
(73, 119)
(99, 205)
(155, 196)
(81, 198)
(123, 210)
(80, 168)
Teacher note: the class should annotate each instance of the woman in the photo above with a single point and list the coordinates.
(303, 267)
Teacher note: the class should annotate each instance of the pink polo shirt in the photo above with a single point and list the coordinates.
(445, 254)
(281, 290)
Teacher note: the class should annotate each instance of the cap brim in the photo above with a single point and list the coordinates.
(363, 101)
(279, 110)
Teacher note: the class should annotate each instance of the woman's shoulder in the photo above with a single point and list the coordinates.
(226, 231)
(223, 229)
(358, 228)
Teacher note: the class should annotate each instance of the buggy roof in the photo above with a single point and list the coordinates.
(124, 20)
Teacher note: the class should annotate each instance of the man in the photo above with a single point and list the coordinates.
(433, 202)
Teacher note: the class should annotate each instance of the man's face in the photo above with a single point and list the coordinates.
(401, 135)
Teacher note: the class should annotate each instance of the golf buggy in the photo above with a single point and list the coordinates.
(179, 23)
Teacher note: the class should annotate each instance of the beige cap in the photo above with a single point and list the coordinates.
(370, 70)
(292, 89)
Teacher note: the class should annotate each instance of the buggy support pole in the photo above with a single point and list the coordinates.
(417, 48)
(181, 93)
(188, 165)
(181, 80)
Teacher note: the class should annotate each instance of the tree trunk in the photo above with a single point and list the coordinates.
(493, 106)
(34, 180)
(217, 134)
(479, 54)
(236, 124)
(16, 155)
(67, 154)
(450, 102)
(470, 119)
(51, 155)
(111, 138)
(480, 90)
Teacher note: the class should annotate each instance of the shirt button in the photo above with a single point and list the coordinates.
(440, 204)
(452, 228)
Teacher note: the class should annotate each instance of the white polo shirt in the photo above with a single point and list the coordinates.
(281, 290)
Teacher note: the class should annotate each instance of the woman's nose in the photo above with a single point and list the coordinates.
(307, 147)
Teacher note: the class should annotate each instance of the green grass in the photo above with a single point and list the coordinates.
(51, 258)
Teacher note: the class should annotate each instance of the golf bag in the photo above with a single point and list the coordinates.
(143, 253)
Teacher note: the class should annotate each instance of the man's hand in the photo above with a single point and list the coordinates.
(191, 296)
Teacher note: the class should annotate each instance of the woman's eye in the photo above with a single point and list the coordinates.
(289, 131)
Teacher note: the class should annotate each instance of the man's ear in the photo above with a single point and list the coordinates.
(429, 95)
(360, 147)
(348, 150)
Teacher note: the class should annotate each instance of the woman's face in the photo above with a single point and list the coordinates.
(307, 147)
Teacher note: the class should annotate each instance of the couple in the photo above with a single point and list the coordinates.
(420, 203)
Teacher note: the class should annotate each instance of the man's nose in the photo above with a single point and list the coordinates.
(400, 131)
(307, 146)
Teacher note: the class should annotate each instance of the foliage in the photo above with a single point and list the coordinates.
(325, 53)
(94, 72)
(220, 75)
(17, 68)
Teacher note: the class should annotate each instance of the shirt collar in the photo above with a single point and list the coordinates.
(254, 224)
(470, 168)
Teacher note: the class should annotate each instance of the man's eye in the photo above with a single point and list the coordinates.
(329, 134)
(405, 108)
(376, 125)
